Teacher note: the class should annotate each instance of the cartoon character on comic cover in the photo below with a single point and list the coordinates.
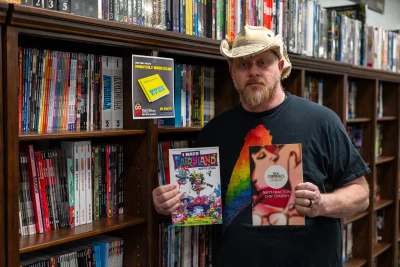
(197, 173)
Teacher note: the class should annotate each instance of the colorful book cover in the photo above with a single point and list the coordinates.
(196, 171)
(275, 171)
(152, 87)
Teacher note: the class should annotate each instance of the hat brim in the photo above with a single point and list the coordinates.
(254, 49)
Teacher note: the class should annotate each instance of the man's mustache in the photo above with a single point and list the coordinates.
(255, 81)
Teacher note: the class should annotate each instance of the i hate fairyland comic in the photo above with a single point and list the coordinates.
(196, 171)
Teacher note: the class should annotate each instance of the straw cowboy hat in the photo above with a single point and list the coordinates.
(253, 40)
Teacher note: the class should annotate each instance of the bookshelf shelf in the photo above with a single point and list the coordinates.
(383, 159)
(387, 118)
(57, 237)
(78, 134)
(379, 248)
(372, 74)
(47, 20)
(166, 129)
(355, 262)
(355, 217)
(380, 204)
(358, 120)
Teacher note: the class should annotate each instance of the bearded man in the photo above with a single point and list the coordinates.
(333, 171)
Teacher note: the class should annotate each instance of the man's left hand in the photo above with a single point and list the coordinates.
(308, 199)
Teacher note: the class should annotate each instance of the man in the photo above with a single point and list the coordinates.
(333, 171)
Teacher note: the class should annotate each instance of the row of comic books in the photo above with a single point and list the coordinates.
(314, 89)
(69, 91)
(337, 33)
(99, 250)
(347, 242)
(69, 186)
(194, 102)
(185, 246)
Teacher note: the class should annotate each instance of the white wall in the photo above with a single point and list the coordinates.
(390, 19)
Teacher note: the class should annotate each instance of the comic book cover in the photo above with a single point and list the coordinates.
(275, 171)
(196, 171)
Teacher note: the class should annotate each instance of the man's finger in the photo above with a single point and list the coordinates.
(167, 196)
(306, 186)
(171, 202)
(302, 210)
(304, 202)
(163, 189)
(305, 194)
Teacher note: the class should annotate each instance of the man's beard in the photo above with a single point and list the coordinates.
(258, 96)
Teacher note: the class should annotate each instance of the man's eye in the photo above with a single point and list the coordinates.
(243, 65)
(262, 62)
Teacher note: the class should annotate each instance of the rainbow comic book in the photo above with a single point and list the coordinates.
(196, 171)
(275, 170)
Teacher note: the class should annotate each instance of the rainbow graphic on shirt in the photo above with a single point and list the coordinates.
(238, 195)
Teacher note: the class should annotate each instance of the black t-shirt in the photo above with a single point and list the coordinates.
(329, 161)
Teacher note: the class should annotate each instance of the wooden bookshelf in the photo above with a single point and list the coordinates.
(358, 120)
(26, 26)
(3, 187)
(379, 248)
(380, 204)
(355, 217)
(387, 118)
(383, 159)
(54, 238)
(355, 262)
(166, 129)
(78, 134)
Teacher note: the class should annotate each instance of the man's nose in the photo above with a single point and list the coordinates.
(254, 71)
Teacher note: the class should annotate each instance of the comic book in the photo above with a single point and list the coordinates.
(275, 170)
(196, 171)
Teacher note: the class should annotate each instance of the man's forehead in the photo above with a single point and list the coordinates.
(263, 55)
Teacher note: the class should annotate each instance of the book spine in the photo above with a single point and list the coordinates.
(76, 183)
(108, 181)
(89, 186)
(64, 6)
(71, 190)
(42, 188)
(82, 183)
(34, 184)
(107, 85)
(117, 94)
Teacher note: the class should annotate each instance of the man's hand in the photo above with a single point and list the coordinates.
(305, 192)
(166, 198)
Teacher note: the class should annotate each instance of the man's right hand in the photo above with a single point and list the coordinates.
(166, 198)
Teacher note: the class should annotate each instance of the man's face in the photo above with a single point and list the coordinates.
(257, 78)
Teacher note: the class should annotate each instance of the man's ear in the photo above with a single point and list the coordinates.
(230, 67)
(281, 63)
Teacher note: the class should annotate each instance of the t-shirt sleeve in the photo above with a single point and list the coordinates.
(345, 162)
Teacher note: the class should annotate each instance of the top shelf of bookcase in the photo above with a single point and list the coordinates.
(55, 21)
(77, 134)
(48, 21)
